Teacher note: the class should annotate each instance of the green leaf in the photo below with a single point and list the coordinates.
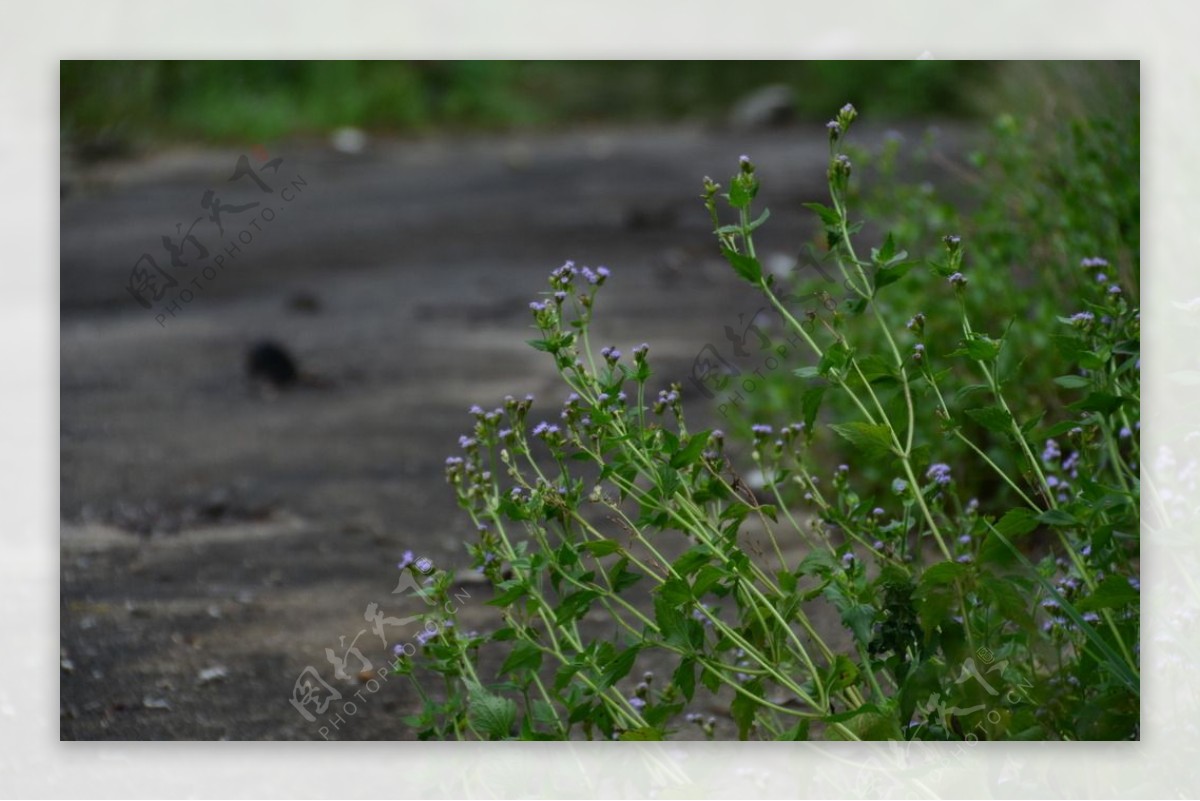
(745, 266)
(842, 674)
(993, 418)
(510, 591)
(811, 371)
(492, 715)
(574, 606)
(710, 678)
(743, 708)
(741, 192)
(874, 440)
(828, 216)
(1072, 381)
(856, 617)
(618, 667)
(690, 454)
(685, 677)
(671, 622)
(621, 577)
(1057, 517)
(810, 404)
(890, 275)
(942, 573)
(818, 562)
(524, 656)
(1017, 522)
(762, 218)
(1010, 601)
(691, 561)
(675, 592)
(706, 578)
(600, 547)
(885, 253)
(1111, 593)
(982, 348)
(835, 358)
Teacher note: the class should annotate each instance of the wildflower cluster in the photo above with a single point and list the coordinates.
(618, 540)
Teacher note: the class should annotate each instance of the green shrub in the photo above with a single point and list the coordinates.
(1010, 614)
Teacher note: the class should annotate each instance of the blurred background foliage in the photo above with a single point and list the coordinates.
(138, 102)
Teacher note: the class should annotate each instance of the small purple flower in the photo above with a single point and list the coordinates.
(537, 306)
(1050, 452)
(847, 560)
(640, 351)
(966, 558)
(1125, 433)
(878, 511)
(1091, 617)
(406, 559)
(1093, 261)
(1135, 583)
(1114, 290)
(965, 539)
(918, 352)
(939, 473)
(1082, 318)
(958, 280)
(610, 354)
(1101, 278)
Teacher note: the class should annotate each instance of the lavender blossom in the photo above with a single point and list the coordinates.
(939, 473)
